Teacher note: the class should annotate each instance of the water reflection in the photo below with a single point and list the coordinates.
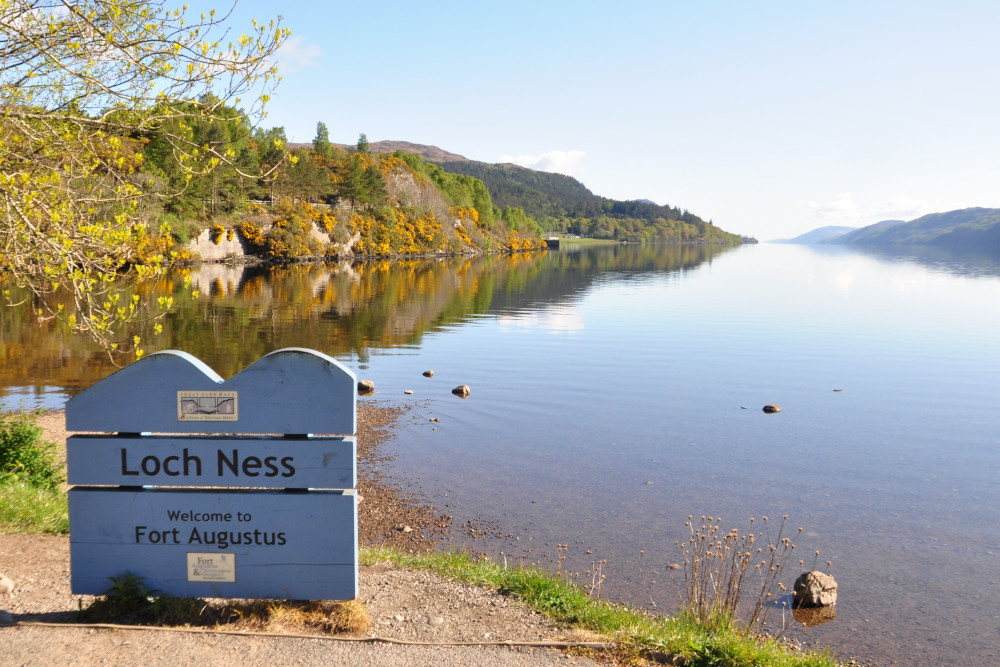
(982, 262)
(810, 617)
(230, 316)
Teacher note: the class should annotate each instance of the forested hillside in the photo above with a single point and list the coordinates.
(563, 204)
(323, 199)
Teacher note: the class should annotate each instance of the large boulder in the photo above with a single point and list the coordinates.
(815, 589)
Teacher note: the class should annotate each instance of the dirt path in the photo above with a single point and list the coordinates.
(404, 605)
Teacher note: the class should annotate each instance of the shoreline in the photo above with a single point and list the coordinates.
(425, 605)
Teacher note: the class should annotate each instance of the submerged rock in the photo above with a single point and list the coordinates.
(815, 589)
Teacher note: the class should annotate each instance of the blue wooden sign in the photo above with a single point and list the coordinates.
(217, 488)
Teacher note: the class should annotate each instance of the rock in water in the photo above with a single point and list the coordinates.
(815, 589)
(428, 374)
(771, 408)
(462, 390)
(366, 386)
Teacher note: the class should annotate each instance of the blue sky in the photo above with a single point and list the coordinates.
(769, 118)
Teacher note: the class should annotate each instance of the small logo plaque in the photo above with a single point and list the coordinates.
(207, 406)
(211, 567)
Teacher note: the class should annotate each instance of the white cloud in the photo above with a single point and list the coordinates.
(903, 208)
(296, 55)
(842, 209)
(559, 162)
(554, 320)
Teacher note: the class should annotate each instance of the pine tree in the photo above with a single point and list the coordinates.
(363, 146)
(321, 144)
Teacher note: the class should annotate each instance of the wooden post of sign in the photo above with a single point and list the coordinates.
(212, 488)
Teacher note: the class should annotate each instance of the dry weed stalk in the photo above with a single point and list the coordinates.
(716, 566)
(595, 573)
(597, 577)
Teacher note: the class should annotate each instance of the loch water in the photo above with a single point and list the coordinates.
(616, 390)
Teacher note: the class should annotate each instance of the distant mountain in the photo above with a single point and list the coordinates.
(819, 235)
(429, 153)
(970, 228)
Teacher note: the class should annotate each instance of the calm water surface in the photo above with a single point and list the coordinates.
(617, 390)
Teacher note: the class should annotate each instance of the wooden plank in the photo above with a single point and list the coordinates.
(183, 461)
(289, 391)
(300, 546)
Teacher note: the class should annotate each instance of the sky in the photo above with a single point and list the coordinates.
(768, 118)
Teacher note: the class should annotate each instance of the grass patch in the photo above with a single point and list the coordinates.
(31, 509)
(31, 498)
(696, 644)
(586, 241)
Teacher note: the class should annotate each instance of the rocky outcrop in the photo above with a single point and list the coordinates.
(205, 247)
(407, 189)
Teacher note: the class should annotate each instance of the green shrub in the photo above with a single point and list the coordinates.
(24, 455)
(182, 231)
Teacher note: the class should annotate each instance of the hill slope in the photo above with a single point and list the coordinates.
(818, 235)
(970, 228)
